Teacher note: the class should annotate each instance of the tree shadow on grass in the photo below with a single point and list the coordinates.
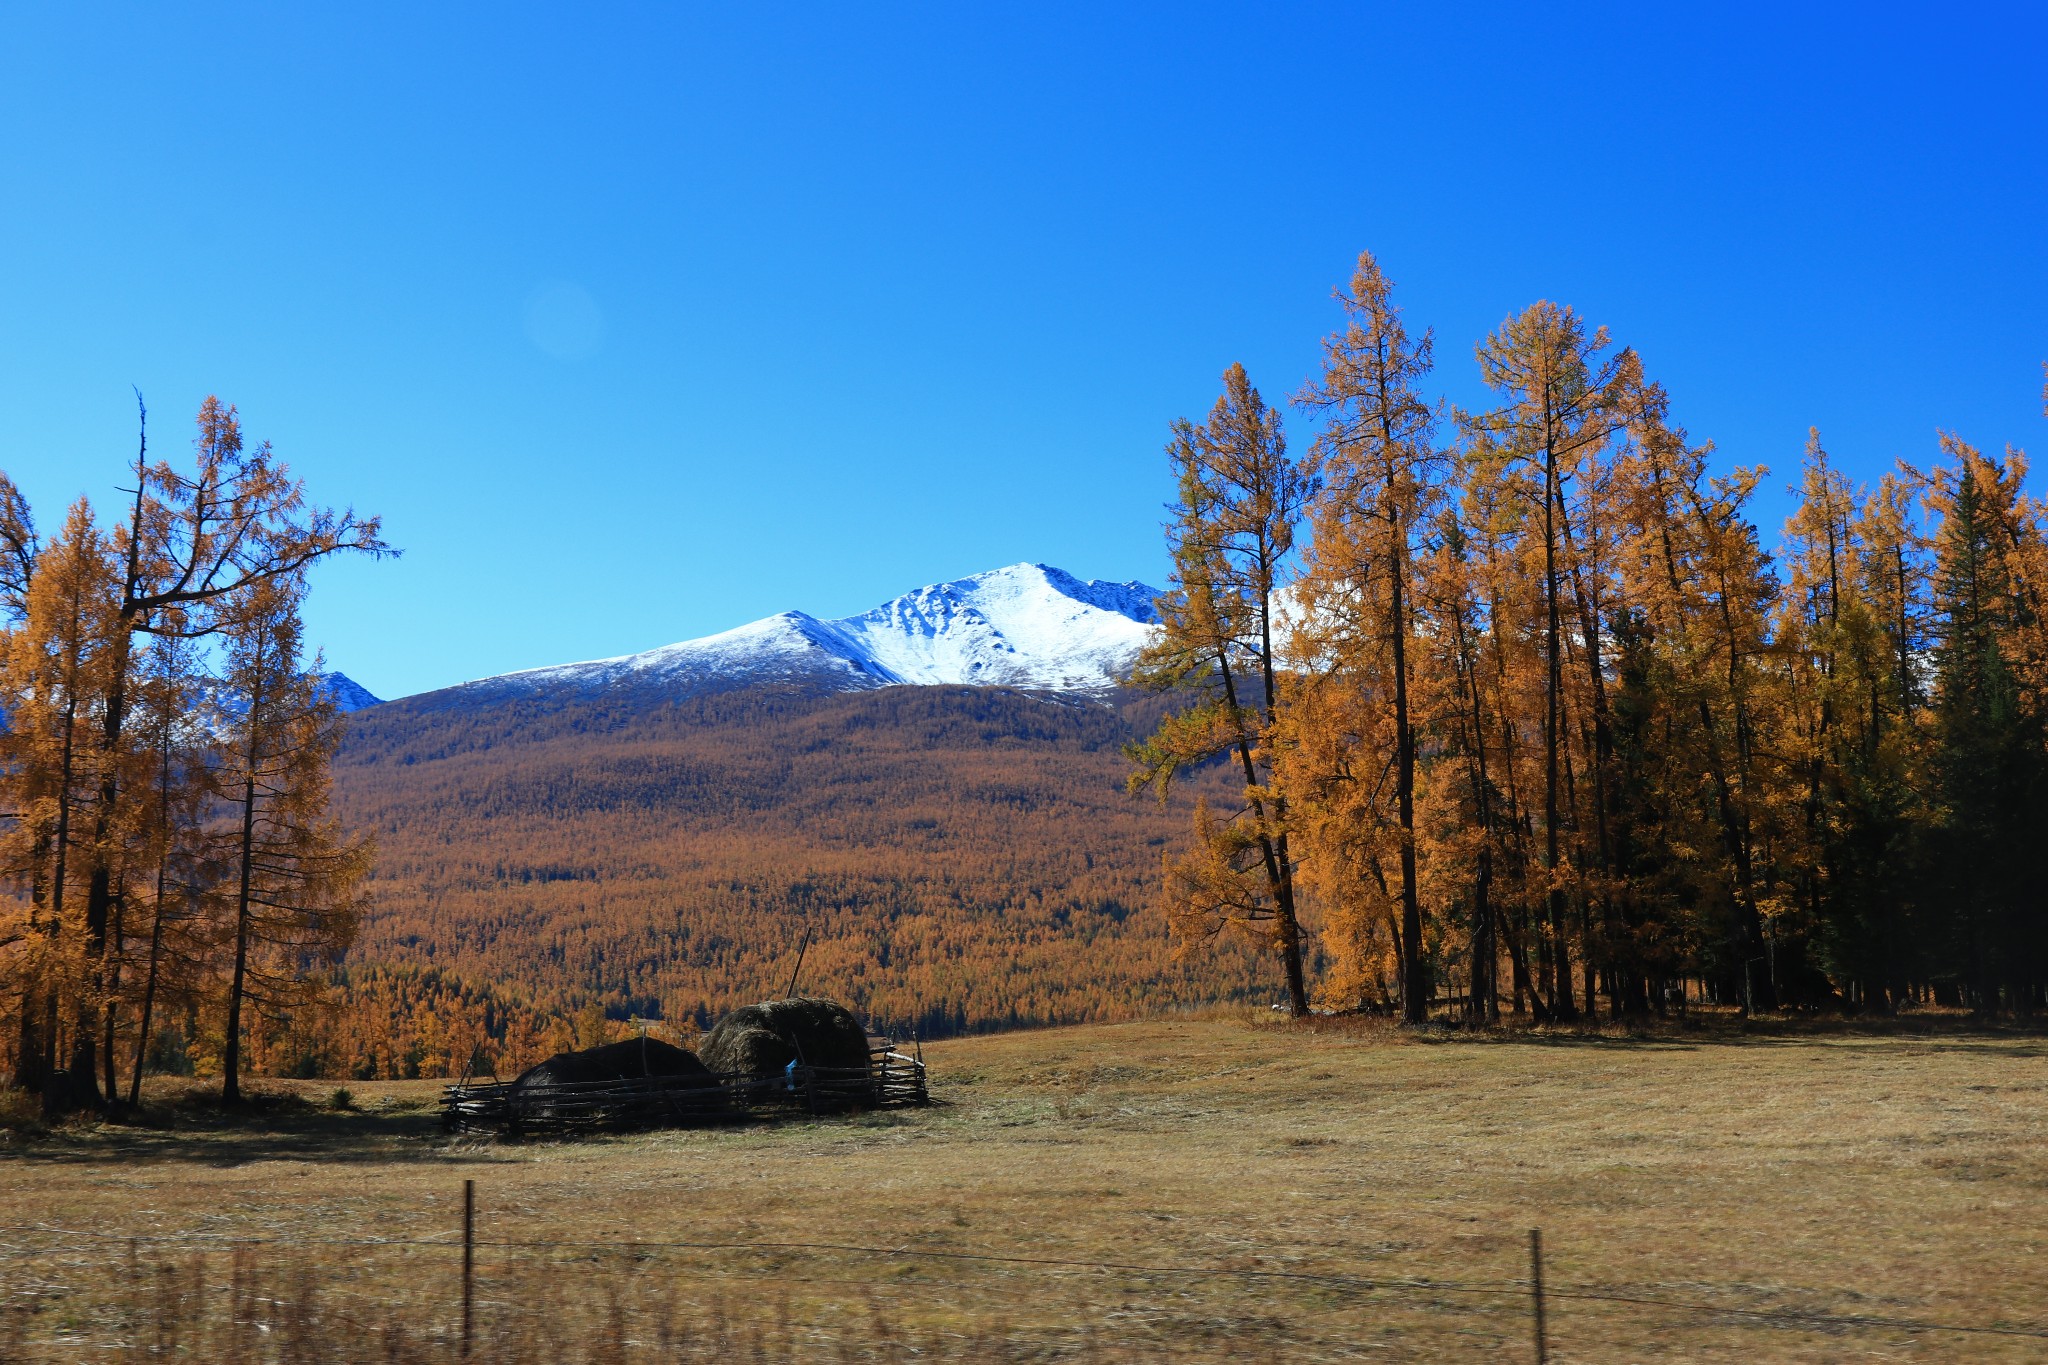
(197, 1129)
(1901, 1037)
(268, 1127)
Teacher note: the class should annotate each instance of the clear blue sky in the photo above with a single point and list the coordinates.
(638, 322)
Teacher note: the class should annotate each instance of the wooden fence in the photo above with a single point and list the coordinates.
(891, 1079)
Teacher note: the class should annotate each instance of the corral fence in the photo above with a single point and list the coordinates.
(891, 1079)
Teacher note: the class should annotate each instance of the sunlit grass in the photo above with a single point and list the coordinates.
(1892, 1175)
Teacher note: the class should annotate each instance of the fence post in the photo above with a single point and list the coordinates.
(468, 1261)
(1536, 1291)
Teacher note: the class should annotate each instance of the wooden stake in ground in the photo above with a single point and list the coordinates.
(1535, 1289)
(469, 1262)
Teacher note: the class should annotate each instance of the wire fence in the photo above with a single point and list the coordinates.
(1534, 1288)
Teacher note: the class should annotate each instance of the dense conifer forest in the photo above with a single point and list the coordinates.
(1551, 728)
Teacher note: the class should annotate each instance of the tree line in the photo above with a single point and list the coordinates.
(1523, 713)
(164, 768)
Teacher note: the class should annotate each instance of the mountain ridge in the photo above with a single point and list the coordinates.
(1029, 626)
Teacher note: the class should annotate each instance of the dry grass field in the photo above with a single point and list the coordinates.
(1238, 1187)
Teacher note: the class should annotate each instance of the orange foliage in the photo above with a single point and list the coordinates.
(963, 858)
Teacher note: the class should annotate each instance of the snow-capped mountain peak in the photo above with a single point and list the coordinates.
(1028, 626)
(346, 693)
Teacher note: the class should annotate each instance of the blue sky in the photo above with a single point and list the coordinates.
(638, 322)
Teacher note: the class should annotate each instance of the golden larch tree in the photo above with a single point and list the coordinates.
(1231, 536)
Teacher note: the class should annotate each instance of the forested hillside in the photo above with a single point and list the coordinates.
(963, 858)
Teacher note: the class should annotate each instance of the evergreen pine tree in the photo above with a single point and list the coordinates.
(1987, 743)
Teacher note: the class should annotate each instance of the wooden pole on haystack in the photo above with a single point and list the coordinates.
(801, 950)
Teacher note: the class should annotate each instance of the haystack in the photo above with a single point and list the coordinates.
(763, 1039)
(628, 1060)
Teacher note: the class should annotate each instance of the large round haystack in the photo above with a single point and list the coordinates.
(629, 1060)
(763, 1039)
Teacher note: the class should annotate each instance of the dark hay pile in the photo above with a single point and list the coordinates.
(629, 1060)
(760, 1040)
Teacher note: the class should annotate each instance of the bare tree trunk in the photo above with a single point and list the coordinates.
(29, 1071)
(1484, 1004)
(1414, 969)
(142, 1027)
(1274, 854)
(1518, 968)
(231, 1053)
(100, 891)
(31, 1064)
(111, 1010)
(156, 926)
(1561, 1005)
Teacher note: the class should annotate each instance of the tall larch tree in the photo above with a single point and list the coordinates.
(191, 548)
(21, 848)
(1560, 403)
(1845, 739)
(173, 726)
(294, 887)
(1472, 838)
(1377, 458)
(58, 662)
(1231, 535)
(1703, 584)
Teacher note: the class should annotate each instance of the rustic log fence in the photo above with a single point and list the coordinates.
(891, 1079)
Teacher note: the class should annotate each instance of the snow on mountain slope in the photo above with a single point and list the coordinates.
(792, 647)
(348, 694)
(1027, 626)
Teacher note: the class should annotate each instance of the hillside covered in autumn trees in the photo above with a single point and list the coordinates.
(962, 858)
